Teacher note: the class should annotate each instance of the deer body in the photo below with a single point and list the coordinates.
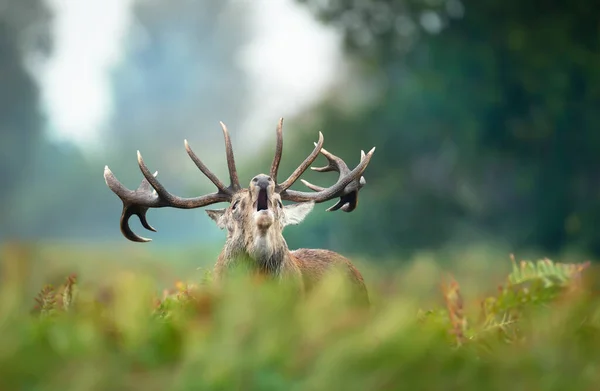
(315, 263)
(305, 268)
(256, 217)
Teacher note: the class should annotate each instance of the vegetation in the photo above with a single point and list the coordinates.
(540, 329)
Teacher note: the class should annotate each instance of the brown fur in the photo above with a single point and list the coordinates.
(315, 263)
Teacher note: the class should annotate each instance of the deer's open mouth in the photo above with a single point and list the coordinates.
(262, 202)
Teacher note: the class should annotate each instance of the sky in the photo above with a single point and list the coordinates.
(287, 71)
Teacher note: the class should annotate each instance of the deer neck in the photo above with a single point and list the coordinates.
(267, 253)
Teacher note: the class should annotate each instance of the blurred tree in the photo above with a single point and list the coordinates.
(24, 32)
(484, 120)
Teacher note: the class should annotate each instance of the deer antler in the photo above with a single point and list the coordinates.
(152, 194)
(347, 186)
(282, 187)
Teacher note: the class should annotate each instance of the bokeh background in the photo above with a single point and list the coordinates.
(484, 115)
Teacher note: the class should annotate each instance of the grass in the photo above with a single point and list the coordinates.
(537, 327)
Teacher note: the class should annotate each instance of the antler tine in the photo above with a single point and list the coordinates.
(209, 174)
(302, 167)
(133, 199)
(168, 199)
(348, 201)
(334, 163)
(235, 182)
(278, 151)
(347, 186)
(160, 189)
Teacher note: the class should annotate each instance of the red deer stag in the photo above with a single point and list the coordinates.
(256, 217)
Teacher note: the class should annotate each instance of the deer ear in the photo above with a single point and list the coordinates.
(218, 216)
(295, 213)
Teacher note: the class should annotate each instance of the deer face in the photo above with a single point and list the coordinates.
(256, 217)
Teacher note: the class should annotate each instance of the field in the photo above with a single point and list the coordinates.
(114, 319)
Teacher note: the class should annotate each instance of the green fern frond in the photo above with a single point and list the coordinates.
(46, 301)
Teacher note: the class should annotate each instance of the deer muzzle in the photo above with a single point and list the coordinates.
(263, 215)
(262, 189)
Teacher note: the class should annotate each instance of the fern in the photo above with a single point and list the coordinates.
(46, 301)
(69, 292)
(456, 314)
(529, 286)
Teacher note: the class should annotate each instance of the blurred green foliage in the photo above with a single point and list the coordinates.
(540, 330)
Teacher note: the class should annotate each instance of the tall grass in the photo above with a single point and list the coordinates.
(537, 330)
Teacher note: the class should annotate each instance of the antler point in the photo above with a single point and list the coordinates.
(225, 131)
(107, 174)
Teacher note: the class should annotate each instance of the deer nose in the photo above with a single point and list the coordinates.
(262, 181)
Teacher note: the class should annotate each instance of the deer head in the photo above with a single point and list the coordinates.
(255, 217)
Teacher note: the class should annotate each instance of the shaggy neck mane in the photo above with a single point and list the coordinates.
(266, 252)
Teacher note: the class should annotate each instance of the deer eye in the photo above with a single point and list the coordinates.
(280, 204)
(235, 204)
